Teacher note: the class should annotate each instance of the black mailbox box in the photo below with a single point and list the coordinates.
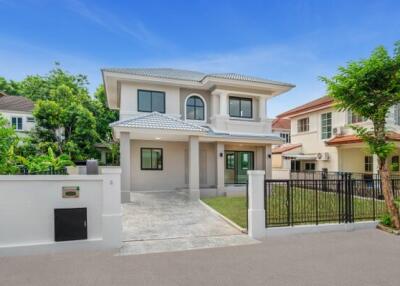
(70, 224)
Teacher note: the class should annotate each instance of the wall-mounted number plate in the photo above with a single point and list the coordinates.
(70, 192)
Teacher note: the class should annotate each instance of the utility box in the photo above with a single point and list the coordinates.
(70, 224)
(92, 167)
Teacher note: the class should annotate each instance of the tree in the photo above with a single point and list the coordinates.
(8, 141)
(370, 87)
(9, 87)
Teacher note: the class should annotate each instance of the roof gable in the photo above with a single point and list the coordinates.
(321, 102)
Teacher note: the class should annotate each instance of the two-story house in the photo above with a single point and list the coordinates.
(322, 139)
(18, 111)
(182, 129)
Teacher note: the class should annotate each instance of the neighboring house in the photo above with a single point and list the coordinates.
(328, 142)
(182, 129)
(281, 126)
(18, 111)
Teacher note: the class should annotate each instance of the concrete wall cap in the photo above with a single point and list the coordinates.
(256, 172)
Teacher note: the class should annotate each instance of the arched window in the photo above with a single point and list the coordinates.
(195, 108)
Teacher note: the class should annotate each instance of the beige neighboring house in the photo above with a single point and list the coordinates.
(18, 111)
(325, 140)
(182, 129)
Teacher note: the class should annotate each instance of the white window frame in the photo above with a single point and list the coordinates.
(324, 134)
(16, 122)
(285, 136)
(350, 115)
(308, 125)
(368, 164)
(205, 108)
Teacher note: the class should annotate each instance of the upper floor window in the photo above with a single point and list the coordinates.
(16, 123)
(326, 125)
(149, 101)
(240, 107)
(285, 136)
(353, 117)
(195, 108)
(303, 125)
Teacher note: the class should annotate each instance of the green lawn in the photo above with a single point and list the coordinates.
(305, 207)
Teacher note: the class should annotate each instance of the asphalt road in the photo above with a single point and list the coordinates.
(364, 257)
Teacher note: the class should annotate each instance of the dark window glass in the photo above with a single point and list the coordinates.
(395, 163)
(16, 123)
(230, 161)
(149, 101)
(151, 159)
(240, 107)
(195, 108)
(368, 163)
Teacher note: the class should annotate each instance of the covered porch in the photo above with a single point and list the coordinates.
(193, 158)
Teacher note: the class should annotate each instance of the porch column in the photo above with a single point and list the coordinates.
(220, 168)
(223, 104)
(268, 161)
(194, 188)
(125, 159)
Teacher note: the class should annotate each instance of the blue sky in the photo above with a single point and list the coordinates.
(291, 41)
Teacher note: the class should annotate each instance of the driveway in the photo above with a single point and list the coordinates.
(170, 221)
(364, 257)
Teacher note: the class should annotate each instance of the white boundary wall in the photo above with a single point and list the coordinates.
(256, 215)
(27, 204)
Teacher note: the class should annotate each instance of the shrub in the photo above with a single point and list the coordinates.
(386, 220)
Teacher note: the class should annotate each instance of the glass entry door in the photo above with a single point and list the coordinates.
(237, 163)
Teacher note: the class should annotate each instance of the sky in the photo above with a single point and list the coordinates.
(289, 41)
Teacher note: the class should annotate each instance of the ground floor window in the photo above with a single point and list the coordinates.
(310, 166)
(395, 163)
(368, 163)
(295, 166)
(151, 159)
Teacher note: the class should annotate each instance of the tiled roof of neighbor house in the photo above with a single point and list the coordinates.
(349, 139)
(281, 123)
(317, 103)
(15, 103)
(195, 76)
(285, 147)
(214, 133)
(156, 120)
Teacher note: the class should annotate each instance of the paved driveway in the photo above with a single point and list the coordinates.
(365, 258)
(169, 221)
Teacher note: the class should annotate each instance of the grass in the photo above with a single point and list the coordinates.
(305, 207)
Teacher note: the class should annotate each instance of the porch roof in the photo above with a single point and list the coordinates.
(306, 157)
(156, 120)
(351, 139)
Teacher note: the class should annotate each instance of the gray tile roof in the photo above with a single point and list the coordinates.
(157, 120)
(16, 103)
(169, 73)
(246, 135)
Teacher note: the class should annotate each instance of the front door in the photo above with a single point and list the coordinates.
(237, 164)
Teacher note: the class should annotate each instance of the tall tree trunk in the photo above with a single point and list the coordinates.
(387, 193)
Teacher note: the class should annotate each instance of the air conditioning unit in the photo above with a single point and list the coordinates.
(323, 156)
(337, 131)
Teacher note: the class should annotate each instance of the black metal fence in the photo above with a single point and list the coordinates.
(322, 175)
(315, 201)
(50, 171)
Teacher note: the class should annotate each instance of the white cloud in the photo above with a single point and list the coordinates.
(112, 23)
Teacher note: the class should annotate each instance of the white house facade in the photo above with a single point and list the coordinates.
(18, 111)
(182, 129)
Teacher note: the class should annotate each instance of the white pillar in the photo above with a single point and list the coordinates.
(125, 159)
(256, 211)
(220, 149)
(262, 108)
(375, 164)
(268, 161)
(112, 214)
(223, 104)
(194, 167)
